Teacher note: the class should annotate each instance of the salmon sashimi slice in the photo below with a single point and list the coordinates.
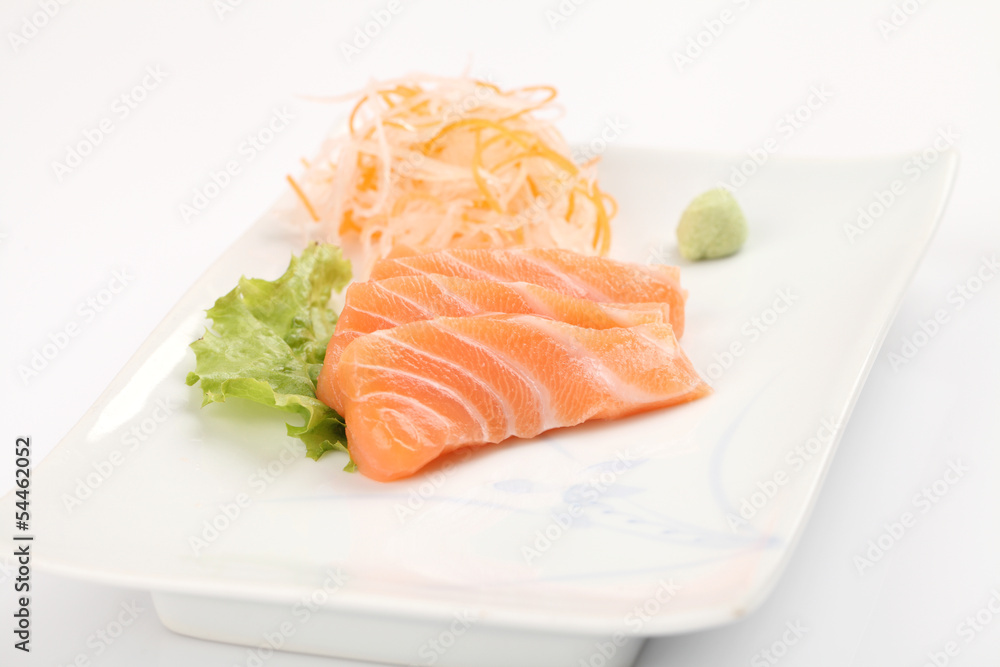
(420, 390)
(596, 278)
(376, 305)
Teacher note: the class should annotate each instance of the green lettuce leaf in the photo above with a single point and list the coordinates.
(268, 340)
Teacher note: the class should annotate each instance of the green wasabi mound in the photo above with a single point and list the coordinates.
(712, 226)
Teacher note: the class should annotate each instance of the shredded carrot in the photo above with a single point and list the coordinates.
(429, 162)
(303, 198)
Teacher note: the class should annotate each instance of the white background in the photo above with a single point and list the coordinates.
(62, 240)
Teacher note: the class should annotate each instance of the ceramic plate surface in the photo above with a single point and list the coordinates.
(690, 513)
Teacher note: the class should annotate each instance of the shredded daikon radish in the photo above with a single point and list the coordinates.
(431, 162)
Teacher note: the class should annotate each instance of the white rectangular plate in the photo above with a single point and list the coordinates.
(667, 522)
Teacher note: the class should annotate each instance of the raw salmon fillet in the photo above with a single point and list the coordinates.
(375, 305)
(595, 278)
(420, 390)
